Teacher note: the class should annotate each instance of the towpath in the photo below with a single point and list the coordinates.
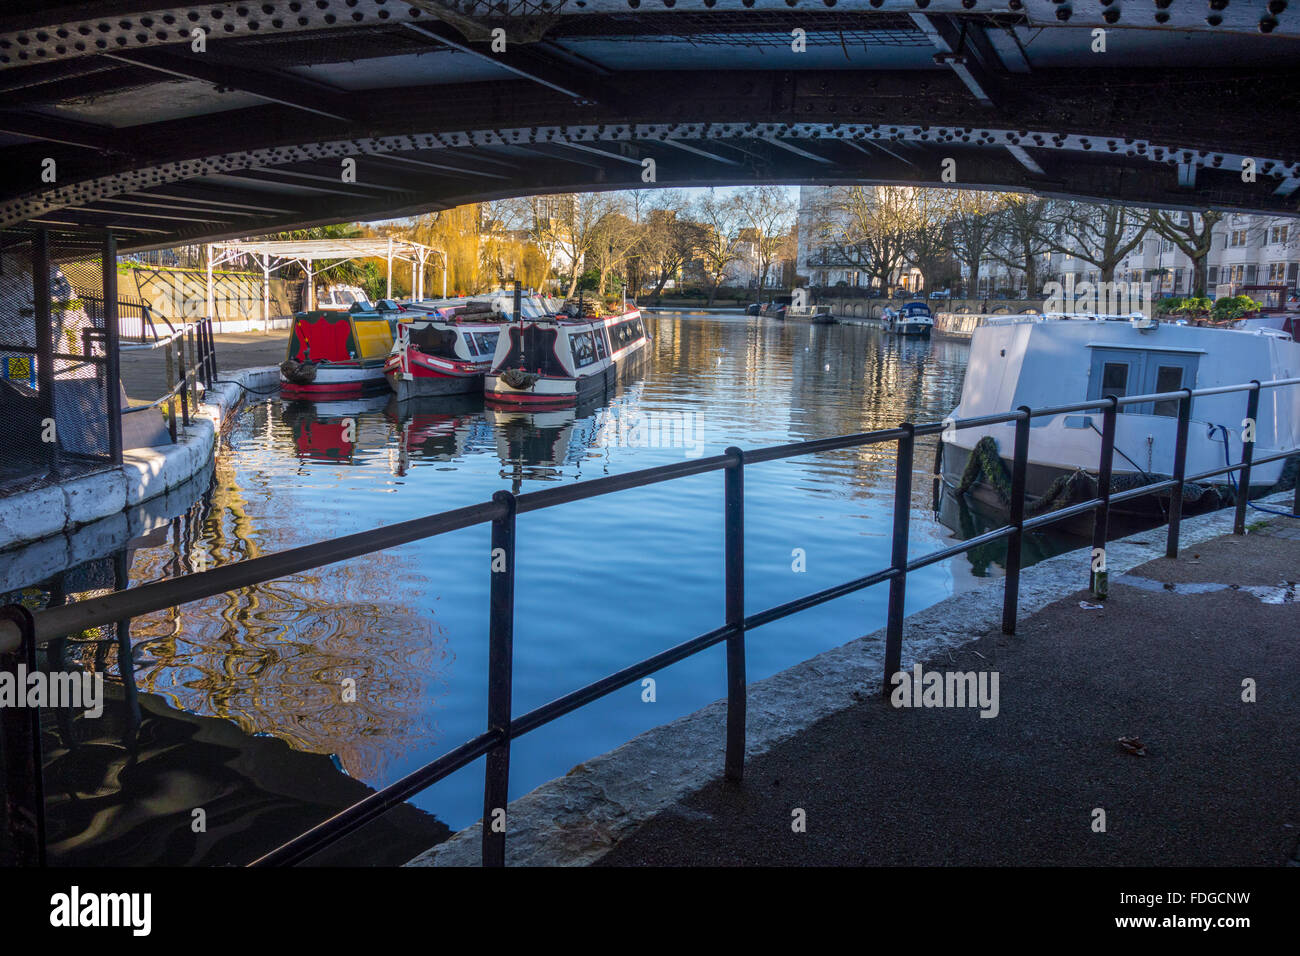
(144, 373)
(1210, 778)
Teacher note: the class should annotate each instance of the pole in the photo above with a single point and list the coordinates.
(44, 338)
(1019, 469)
(734, 542)
(496, 774)
(389, 293)
(266, 292)
(898, 557)
(20, 745)
(1100, 579)
(112, 344)
(1180, 470)
(311, 288)
(1247, 457)
(211, 310)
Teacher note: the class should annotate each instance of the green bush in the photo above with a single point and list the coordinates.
(1234, 307)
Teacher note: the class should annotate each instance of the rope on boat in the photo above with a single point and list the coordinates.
(986, 465)
(518, 378)
(299, 373)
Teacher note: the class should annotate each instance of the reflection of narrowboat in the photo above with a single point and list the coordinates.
(327, 431)
(435, 429)
(914, 318)
(443, 347)
(536, 445)
(557, 360)
(336, 354)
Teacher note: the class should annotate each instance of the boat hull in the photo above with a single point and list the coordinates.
(1040, 480)
(334, 383)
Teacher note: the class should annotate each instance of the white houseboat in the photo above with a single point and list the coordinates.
(914, 319)
(556, 360)
(1046, 360)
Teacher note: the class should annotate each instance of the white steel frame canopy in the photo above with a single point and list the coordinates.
(273, 255)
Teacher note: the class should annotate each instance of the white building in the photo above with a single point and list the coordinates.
(1246, 250)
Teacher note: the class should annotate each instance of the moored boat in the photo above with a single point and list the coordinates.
(914, 319)
(335, 355)
(557, 359)
(444, 347)
(1043, 361)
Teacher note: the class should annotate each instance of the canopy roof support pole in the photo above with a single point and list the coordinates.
(266, 291)
(210, 251)
(311, 287)
(389, 293)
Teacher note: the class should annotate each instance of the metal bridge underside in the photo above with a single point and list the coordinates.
(164, 145)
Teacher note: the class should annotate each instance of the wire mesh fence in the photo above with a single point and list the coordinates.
(54, 392)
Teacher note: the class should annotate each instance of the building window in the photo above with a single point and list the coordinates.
(1279, 236)
(1237, 238)
(1277, 272)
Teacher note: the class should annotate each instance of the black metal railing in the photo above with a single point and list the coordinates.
(21, 631)
(190, 358)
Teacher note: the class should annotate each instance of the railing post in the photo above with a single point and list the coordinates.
(1019, 467)
(734, 541)
(898, 556)
(212, 348)
(1247, 457)
(170, 352)
(183, 381)
(1100, 577)
(112, 349)
(20, 742)
(496, 775)
(1180, 471)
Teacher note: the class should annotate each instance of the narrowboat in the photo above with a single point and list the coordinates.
(1048, 360)
(557, 360)
(335, 355)
(444, 347)
(914, 318)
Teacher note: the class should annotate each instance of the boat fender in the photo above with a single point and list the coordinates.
(299, 373)
(518, 378)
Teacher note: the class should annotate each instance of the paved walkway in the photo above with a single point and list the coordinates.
(144, 373)
(1218, 782)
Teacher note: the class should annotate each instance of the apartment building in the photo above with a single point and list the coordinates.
(1246, 250)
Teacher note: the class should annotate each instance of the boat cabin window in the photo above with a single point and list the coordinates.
(583, 347)
(1122, 372)
(482, 343)
(622, 334)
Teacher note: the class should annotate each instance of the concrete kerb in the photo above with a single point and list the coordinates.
(145, 472)
(575, 819)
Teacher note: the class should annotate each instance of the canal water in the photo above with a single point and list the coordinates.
(600, 583)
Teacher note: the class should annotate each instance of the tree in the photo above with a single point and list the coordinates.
(1021, 237)
(872, 222)
(613, 238)
(768, 211)
(1193, 234)
(929, 214)
(570, 225)
(719, 238)
(1100, 234)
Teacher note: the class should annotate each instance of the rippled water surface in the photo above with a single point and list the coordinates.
(601, 583)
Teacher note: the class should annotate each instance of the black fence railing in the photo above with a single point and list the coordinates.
(190, 358)
(22, 631)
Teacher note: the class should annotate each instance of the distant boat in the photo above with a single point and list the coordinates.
(444, 346)
(913, 319)
(1046, 360)
(556, 360)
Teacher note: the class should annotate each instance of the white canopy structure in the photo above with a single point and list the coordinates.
(274, 254)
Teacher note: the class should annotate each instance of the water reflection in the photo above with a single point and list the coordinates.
(601, 583)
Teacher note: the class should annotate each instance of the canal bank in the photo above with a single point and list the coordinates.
(69, 508)
(876, 785)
